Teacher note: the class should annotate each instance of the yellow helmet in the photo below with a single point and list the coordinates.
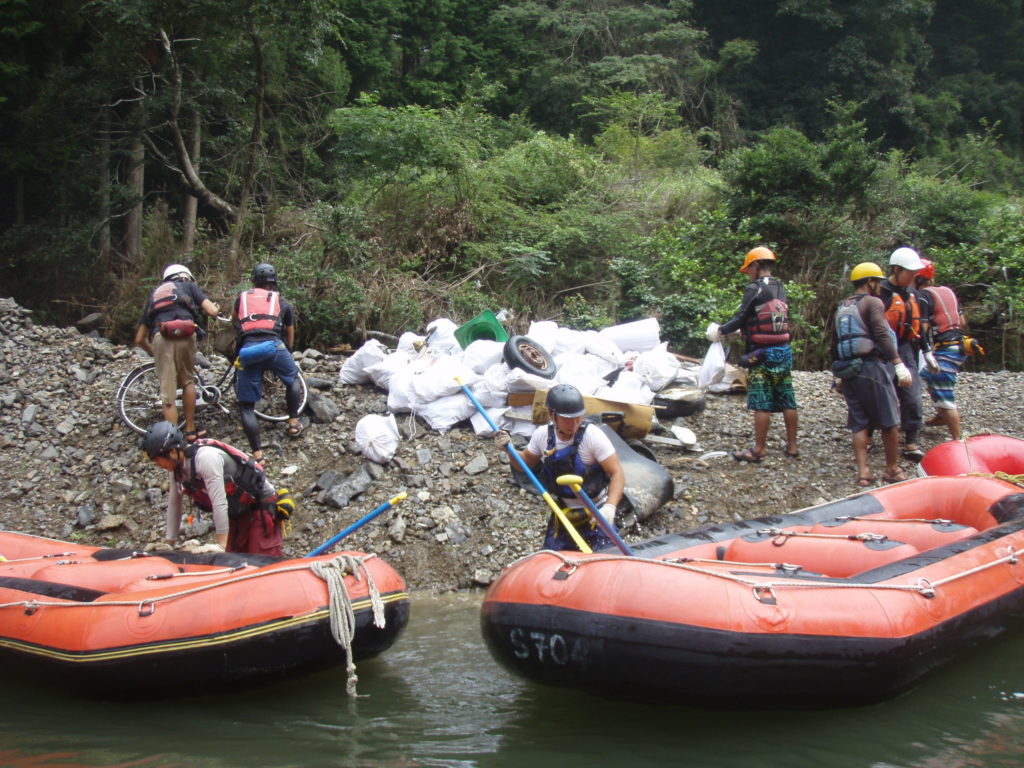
(866, 269)
(757, 254)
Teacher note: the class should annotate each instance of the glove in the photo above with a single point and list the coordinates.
(971, 347)
(712, 333)
(285, 507)
(160, 546)
(929, 360)
(903, 376)
(502, 438)
(751, 359)
(208, 549)
(608, 512)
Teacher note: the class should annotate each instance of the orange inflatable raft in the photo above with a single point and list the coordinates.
(985, 454)
(117, 623)
(843, 603)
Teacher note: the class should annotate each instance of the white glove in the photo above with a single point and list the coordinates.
(160, 546)
(608, 512)
(208, 549)
(931, 362)
(903, 377)
(502, 438)
(712, 333)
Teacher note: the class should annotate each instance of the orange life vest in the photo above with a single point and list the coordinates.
(259, 310)
(904, 316)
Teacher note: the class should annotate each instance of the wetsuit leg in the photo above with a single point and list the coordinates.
(293, 398)
(250, 425)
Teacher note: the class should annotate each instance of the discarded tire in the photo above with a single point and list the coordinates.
(679, 401)
(523, 352)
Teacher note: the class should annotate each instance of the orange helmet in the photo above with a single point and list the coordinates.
(757, 254)
(928, 270)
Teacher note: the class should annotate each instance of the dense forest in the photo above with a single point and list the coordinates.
(587, 161)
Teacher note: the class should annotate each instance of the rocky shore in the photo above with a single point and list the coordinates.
(71, 470)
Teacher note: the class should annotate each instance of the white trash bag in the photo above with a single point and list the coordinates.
(353, 370)
(712, 370)
(377, 437)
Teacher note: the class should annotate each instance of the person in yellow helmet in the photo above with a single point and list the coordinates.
(763, 317)
(865, 363)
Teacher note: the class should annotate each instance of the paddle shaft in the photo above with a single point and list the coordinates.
(559, 514)
(603, 524)
(357, 524)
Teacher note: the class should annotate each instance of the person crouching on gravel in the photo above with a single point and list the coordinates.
(763, 317)
(224, 481)
(865, 361)
(567, 446)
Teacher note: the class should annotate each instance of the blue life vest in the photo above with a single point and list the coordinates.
(567, 461)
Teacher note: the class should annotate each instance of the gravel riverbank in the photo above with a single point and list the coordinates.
(73, 471)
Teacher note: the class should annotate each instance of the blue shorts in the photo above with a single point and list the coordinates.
(249, 381)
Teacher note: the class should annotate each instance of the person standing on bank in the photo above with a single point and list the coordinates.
(763, 317)
(222, 480)
(265, 323)
(567, 446)
(903, 312)
(168, 331)
(865, 360)
(945, 323)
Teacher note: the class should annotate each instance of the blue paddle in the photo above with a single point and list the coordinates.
(358, 524)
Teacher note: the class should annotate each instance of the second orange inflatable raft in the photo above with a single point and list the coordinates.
(843, 603)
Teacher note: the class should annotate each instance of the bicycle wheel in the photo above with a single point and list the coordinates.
(272, 406)
(138, 398)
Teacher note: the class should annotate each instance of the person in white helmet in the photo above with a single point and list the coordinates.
(903, 313)
(167, 331)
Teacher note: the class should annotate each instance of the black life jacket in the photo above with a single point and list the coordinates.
(244, 488)
(768, 326)
(567, 461)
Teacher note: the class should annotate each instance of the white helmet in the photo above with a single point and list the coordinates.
(907, 258)
(177, 270)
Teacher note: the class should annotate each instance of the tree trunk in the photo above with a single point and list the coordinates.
(255, 141)
(188, 235)
(103, 238)
(133, 220)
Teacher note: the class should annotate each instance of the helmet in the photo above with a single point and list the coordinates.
(928, 270)
(757, 254)
(866, 269)
(907, 258)
(178, 272)
(264, 273)
(161, 438)
(565, 400)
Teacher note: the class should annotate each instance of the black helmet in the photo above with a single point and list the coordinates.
(161, 438)
(264, 274)
(565, 400)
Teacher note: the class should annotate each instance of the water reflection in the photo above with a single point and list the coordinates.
(438, 699)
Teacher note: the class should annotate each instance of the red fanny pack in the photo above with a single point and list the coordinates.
(177, 329)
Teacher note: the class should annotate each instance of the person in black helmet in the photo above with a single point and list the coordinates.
(219, 479)
(265, 324)
(567, 446)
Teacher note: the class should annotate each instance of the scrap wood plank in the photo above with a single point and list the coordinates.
(637, 418)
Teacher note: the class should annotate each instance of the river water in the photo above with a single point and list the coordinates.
(438, 699)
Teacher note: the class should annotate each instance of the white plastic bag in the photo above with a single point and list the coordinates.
(377, 437)
(440, 379)
(712, 370)
(656, 367)
(381, 373)
(353, 370)
(482, 354)
(446, 412)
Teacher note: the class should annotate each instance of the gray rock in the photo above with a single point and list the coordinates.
(323, 410)
(477, 465)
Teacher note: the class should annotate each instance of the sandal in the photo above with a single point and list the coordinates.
(912, 454)
(865, 482)
(749, 455)
(896, 477)
(296, 429)
(791, 454)
(195, 434)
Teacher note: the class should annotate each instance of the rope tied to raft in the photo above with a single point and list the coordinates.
(779, 536)
(924, 520)
(1000, 475)
(343, 617)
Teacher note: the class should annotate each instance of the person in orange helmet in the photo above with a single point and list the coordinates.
(763, 317)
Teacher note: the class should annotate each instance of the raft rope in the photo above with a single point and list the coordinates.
(760, 589)
(342, 616)
(925, 520)
(779, 535)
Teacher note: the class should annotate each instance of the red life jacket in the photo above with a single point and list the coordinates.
(768, 326)
(259, 310)
(945, 313)
(166, 296)
(904, 316)
(244, 488)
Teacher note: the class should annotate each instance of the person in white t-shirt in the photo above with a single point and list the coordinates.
(567, 446)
